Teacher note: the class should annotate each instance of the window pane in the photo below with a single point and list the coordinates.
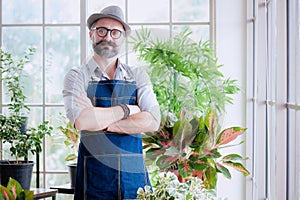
(62, 53)
(95, 6)
(17, 40)
(298, 60)
(191, 10)
(21, 12)
(198, 32)
(67, 13)
(148, 11)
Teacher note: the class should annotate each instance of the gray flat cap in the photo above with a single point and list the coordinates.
(113, 12)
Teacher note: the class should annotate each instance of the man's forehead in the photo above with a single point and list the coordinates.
(110, 22)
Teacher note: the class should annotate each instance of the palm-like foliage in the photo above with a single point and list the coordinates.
(192, 92)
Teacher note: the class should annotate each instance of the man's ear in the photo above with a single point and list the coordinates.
(91, 35)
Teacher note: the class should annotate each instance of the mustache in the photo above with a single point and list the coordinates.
(104, 42)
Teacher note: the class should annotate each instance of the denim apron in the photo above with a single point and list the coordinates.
(110, 165)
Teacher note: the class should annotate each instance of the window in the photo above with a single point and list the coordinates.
(61, 41)
(273, 99)
(293, 99)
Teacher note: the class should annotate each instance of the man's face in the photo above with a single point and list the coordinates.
(107, 46)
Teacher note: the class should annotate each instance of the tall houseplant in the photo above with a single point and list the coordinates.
(192, 93)
(13, 129)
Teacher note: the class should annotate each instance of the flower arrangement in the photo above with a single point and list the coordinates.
(167, 187)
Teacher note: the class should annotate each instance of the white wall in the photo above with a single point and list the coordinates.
(231, 51)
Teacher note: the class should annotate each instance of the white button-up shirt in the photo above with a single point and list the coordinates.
(77, 79)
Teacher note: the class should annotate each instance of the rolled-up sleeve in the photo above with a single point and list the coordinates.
(73, 88)
(146, 97)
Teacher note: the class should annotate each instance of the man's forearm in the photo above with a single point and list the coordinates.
(140, 122)
(98, 118)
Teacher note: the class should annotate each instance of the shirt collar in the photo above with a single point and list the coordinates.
(97, 71)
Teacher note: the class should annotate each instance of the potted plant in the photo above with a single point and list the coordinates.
(13, 130)
(14, 191)
(72, 136)
(168, 187)
(192, 94)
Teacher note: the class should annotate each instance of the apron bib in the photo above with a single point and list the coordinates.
(110, 166)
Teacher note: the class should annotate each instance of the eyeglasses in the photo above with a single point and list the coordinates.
(102, 32)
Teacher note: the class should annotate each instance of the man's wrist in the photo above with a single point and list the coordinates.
(126, 110)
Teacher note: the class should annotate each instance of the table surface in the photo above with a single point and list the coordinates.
(66, 188)
(43, 192)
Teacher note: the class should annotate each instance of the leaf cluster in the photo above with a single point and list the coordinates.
(13, 127)
(191, 91)
(193, 148)
(72, 136)
(185, 74)
(14, 191)
(167, 187)
(11, 73)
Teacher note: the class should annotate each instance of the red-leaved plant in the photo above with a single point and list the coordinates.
(192, 149)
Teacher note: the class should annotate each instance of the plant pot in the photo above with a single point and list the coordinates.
(22, 172)
(23, 128)
(72, 172)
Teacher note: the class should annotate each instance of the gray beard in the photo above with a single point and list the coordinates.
(105, 52)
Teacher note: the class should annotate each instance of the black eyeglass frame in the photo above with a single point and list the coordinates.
(108, 30)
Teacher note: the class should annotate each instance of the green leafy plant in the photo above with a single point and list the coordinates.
(193, 148)
(192, 94)
(167, 187)
(185, 75)
(72, 136)
(13, 128)
(14, 191)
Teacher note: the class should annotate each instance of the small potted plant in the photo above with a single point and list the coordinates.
(13, 130)
(14, 191)
(72, 137)
(167, 187)
(192, 93)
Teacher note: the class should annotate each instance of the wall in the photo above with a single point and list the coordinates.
(231, 51)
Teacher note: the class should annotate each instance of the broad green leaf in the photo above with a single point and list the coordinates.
(231, 157)
(14, 186)
(210, 179)
(71, 157)
(6, 193)
(237, 166)
(229, 135)
(223, 170)
(183, 134)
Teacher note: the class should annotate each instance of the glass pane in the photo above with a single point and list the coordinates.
(143, 11)
(95, 6)
(21, 12)
(62, 53)
(17, 40)
(296, 124)
(67, 13)
(57, 179)
(200, 32)
(191, 10)
(298, 60)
